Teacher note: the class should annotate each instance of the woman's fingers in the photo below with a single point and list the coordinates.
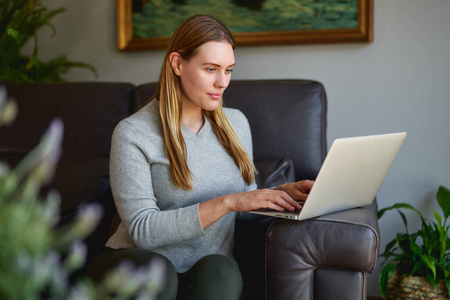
(299, 190)
(273, 199)
(306, 186)
(291, 203)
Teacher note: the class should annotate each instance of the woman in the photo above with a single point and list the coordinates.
(181, 167)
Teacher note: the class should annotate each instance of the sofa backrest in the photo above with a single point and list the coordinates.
(89, 111)
(142, 95)
(287, 119)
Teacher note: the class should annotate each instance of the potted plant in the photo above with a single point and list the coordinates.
(422, 256)
(20, 20)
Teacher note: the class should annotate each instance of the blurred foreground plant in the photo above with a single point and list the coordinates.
(36, 257)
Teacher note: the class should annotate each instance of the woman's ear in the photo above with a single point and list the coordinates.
(175, 62)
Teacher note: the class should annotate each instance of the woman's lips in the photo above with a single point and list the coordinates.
(215, 96)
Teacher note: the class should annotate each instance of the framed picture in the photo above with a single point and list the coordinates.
(148, 24)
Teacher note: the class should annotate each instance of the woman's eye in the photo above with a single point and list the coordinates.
(228, 71)
(211, 69)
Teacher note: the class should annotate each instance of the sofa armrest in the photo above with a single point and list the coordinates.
(346, 240)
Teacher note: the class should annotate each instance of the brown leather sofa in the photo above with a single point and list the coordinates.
(323, 258)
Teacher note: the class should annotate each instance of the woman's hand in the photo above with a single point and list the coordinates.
(298, 191)
(274, 199)
(214, 209)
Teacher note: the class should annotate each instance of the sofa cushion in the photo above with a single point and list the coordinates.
(81, 181)
(274, 172)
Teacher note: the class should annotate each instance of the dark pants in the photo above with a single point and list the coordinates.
(213, 277)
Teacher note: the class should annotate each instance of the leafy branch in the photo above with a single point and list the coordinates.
(20, 20)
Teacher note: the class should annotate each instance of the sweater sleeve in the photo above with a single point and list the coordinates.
(131, 183)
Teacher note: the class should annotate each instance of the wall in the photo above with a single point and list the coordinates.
(400, 82)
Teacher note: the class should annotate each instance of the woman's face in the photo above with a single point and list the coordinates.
(206, 75)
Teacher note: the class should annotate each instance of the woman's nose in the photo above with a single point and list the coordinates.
(222, 81)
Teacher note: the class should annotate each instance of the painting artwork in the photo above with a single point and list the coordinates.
(148, 24)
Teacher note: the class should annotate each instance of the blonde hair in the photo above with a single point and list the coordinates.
(191, 34)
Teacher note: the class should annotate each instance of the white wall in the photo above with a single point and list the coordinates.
(400, 82)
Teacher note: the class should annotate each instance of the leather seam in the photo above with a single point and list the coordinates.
(365, 285)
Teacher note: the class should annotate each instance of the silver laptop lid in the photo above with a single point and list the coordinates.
(352, 173)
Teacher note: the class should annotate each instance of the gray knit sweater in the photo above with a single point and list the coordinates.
(155, 214)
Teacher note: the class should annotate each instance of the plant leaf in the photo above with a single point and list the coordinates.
(388, 250)
(430, 262)
(443, 198)
(385, 274)
(405, 221)
(438, 219)
(433, 281)
(444, 264)
(414, 247)
(398, 206)
(13, 33)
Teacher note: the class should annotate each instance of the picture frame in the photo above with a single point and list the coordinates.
(362, 32)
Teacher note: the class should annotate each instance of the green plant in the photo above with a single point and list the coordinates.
(37, 257)
(20, 20)
(424, 253)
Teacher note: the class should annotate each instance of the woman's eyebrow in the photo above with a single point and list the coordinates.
(217, 65)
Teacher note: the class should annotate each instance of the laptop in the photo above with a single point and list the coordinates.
(350, 176)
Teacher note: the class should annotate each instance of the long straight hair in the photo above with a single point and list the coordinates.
(187, 38)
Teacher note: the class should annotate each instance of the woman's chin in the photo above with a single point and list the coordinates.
(211, 106)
